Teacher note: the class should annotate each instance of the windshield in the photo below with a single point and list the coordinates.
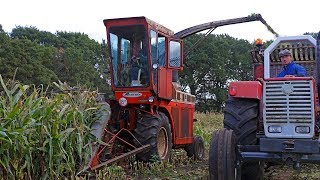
(129, 56)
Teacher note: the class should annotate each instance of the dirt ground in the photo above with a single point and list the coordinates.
(183, 167)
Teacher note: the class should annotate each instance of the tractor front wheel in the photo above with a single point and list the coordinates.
(241, 116)
(222, 155)
(156, 131)
(196, 149)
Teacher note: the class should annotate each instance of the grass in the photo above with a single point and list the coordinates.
(206, 124)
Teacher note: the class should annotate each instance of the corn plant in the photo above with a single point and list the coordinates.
(206, 124)
(44, 136)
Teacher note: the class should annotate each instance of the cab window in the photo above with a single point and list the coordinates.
(174, 54)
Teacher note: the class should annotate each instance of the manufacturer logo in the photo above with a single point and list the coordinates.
(287, 89)
(131, 94)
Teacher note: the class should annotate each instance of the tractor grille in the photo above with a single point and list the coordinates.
(288, 106)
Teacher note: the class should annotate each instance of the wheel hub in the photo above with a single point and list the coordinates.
(162, 143)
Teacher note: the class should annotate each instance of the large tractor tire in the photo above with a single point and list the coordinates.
(241, 116)
(196, 148)
(156, 131)
(222, 156)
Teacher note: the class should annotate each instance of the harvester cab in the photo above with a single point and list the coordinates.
(143, 55)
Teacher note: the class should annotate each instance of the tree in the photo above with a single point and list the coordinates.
(84, 60)
(211, 66)
(70, 57)
(313, 34)
(1, 30)
(35, 35)
(26, 59)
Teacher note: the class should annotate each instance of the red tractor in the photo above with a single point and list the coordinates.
(150, 114)
(270, 120)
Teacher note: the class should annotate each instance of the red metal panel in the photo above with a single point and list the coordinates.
(258, 71)
(191, 114)
(187, 140)
(185, 123)
(132, 119)
(125, 21)
(246, 89)
(165, 89)
(176, 117)
(182, 124)
(169, 85)
(137, 20)
(134, 97)
(162, 82)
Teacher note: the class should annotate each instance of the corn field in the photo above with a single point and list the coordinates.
(44, 135)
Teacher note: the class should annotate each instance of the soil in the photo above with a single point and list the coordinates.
(182, 167)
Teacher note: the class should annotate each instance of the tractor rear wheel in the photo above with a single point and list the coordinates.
(196, 149)
(156, 131)
(222, 155)
(241, 116)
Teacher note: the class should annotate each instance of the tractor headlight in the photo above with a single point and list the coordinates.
(123, 101)
(151, 99)
(303, 129)
(274, 129)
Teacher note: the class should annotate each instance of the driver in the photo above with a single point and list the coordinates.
(135, 70)
(290, 68)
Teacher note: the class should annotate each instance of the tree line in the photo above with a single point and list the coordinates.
(39, 57)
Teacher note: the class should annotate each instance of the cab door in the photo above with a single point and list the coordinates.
(159, 63)
(166, 57)
(169, 73)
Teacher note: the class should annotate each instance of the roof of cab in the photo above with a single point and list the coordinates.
(153, 24)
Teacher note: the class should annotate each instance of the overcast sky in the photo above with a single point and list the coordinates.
(287, 17)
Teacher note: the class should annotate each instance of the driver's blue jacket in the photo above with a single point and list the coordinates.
(293, 69)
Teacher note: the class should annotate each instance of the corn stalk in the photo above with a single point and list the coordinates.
(44, 136)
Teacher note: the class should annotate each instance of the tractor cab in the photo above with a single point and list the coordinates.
(267, 63)
(303, 53)
(143, 55)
